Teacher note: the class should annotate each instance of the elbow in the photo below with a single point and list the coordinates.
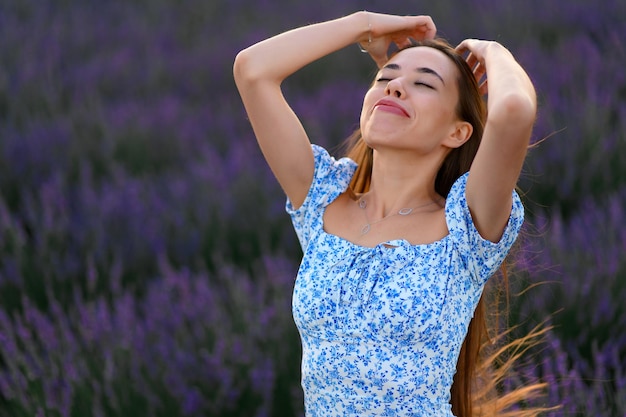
(249, 69)
(241, 68)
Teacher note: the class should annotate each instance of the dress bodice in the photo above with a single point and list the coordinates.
(382, 327)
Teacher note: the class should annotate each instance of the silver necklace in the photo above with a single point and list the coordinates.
(402, 212)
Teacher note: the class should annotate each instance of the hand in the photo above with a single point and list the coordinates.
(477, 52)
(388, 29)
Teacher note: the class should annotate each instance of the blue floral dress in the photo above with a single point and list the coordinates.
(382, 327)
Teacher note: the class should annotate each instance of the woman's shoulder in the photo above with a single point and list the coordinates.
(331, 178)
(325, 163)
(481, 255)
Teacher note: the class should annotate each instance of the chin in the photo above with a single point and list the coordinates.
(387, 137)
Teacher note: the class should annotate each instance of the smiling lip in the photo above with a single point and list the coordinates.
(391, 107)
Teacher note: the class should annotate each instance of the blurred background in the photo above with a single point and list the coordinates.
(146, 261)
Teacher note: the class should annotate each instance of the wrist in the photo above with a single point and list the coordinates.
(365, 35)
(496, 49)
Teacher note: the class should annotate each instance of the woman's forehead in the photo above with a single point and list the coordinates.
(420, 57)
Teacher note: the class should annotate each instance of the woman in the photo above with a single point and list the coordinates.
(398, 239)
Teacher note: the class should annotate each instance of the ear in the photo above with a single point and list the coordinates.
(460, 132)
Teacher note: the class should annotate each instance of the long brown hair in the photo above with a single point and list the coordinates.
(479, 368)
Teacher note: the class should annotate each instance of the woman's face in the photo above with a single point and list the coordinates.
(412, 102)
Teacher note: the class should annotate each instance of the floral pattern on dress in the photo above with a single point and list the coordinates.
(382, 327)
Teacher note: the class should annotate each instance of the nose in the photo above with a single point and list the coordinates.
(395, 88)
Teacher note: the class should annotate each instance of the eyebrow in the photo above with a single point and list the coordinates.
(421, 70)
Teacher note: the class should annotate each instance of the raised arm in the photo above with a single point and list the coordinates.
(260, 70)
(511, 107)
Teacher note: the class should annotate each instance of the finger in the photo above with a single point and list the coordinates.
(380, 60)
(483, 88)
(480, 74)
(379, 55)
(424, 27)
(472, 61)
(378, 48)
(465, 46)
(479, 71)
(428, 28)
(403, 42)
(462, 48)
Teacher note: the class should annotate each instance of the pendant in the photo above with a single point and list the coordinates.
(405, 211)
(365, 229)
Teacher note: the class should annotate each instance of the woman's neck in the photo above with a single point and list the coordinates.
(401, 182)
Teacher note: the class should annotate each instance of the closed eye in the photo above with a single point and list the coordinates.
(425, 85)
(418, 83)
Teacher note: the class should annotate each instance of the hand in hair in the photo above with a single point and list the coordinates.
(476, 51)
(386, 30)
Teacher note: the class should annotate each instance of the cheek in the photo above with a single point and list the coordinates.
(370, 98)
(447, 109)
(368, 103)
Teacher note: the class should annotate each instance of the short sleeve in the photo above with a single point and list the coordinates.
(481, 256)
(330, 179)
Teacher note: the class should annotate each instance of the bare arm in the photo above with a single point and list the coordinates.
(512, 110)
(260, 70)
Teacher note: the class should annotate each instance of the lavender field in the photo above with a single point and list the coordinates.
(146, 261)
